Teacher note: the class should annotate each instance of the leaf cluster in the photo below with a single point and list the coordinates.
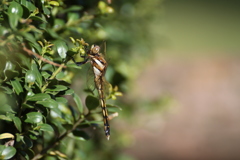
(39, 109)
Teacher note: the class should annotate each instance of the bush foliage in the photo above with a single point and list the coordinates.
(41, 116)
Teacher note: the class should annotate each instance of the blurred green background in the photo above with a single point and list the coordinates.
(182, 67)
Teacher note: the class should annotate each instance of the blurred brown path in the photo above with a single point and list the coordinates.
(204, 124)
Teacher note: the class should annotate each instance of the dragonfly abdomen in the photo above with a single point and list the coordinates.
(104, 111)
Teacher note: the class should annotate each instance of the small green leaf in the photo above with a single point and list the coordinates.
(39, 97)
(37, 74)
(17, 86)
(25, 105)
(27, 142)
(7, 152)
(28, 5)
(81, 134)
(15, 12)
(61, 48)
(18, 123)
(61, 100)
(7, 90)
(3, 117)
(91, 102)
(69, 92)
(46, 10)
(113, 108)
(50, 103)
(30, 77)
(6, 108)
(6, 135)
(34, 117)
(78, 102)
(102, 5)
(45, 74)
(45, 127)
(57, 88)
(36, 18)
(54, 3)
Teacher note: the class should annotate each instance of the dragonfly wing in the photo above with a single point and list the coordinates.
(106, 87)
(90, 80)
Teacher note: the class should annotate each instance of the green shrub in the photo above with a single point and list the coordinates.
(40, 114)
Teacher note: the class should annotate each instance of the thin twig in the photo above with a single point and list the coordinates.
(56, 142)
(40, 57)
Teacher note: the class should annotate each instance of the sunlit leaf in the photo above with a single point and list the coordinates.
(61, 48)
(6, 135)
(45, 127)
(15, 12)
(39, 97)
(54, 3)
(50, 103)
(34, 117)
(30, 77)
(7, 152)
(3, 117)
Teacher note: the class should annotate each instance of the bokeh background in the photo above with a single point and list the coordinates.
(182, 90)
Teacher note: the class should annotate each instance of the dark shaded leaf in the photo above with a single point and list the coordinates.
(72, 8)
(57, 88)
(25, 105)
(27, 142)
(91, 102)
(81, 135)
(36, 18)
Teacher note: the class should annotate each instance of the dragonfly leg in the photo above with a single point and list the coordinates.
(80, 63)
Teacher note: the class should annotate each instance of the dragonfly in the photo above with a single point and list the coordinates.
(99, 67)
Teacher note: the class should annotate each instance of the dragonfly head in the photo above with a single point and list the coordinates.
(95, 49)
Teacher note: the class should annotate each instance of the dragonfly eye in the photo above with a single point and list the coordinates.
(96, 49)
